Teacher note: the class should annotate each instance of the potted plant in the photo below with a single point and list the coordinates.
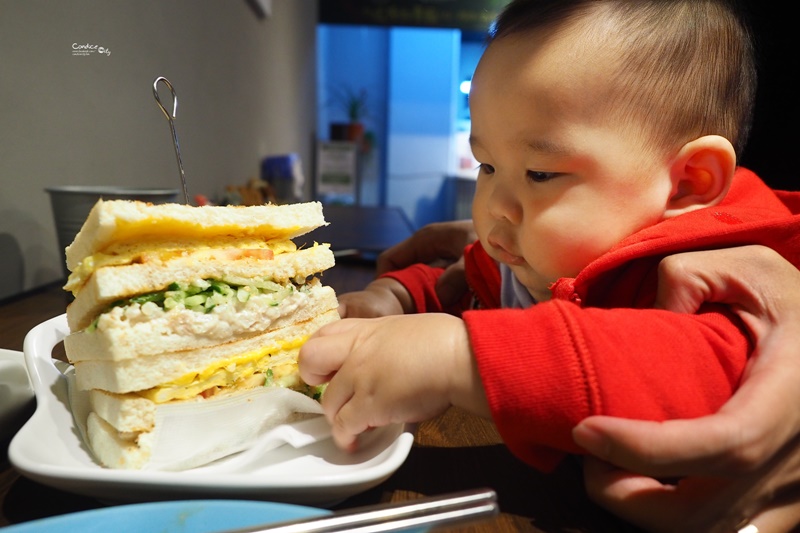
(354, 105)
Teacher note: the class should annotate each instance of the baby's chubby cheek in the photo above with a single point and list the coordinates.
(542, 270)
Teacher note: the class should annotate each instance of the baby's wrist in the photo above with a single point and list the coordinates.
(466, 388)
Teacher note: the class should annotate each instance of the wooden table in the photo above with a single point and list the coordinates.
(454, 452)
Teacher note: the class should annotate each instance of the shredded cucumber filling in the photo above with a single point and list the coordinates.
(205, 294)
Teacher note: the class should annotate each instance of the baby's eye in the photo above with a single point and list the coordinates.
(486, 169)
(539, 177)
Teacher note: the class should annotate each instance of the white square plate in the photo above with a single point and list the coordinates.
(49, 449)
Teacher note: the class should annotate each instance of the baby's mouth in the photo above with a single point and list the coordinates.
(503, 255)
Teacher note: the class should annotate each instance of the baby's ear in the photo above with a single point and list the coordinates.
(701, 174)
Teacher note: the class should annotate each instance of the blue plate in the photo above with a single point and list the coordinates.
(190, 516)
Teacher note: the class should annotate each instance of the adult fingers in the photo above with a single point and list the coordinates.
(687, 280)
(640, 500)
(661, 507)
(747, 431)
(658, 449)
(452, 284)
(435, 242)
(398, 256)
(764, 289)
(761, 286)
(768, 497)
(428, 244)
(781, 517)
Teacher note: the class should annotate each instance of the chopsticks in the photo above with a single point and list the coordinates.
(452, 508)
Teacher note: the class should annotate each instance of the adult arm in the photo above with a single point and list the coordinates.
(741, 462)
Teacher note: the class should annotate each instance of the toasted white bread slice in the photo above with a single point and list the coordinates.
(189, 372)
(137, 331)
(117, 450)
(191, 433)
(230, 248)
(127, 413)
(113, 283)
(115, 221)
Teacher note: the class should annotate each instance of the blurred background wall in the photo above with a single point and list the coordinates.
(245, 80)
(255, 83)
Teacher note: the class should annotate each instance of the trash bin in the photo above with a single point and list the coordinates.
(72, 203)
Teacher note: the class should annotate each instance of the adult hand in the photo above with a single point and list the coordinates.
(439, 243)
(742, 463)
(382, 297)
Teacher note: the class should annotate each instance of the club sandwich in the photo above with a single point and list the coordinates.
(175, 304)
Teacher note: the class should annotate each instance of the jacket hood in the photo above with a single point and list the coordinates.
(751, 213)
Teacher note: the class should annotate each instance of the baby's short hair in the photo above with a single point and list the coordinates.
(683, 68)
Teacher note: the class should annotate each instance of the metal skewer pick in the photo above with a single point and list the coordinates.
(171, 119)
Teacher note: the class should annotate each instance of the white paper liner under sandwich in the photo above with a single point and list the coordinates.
(194, 433)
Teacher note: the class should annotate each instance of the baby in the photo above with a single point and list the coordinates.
(607, 133)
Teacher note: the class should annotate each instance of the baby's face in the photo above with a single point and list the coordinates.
(559, 184)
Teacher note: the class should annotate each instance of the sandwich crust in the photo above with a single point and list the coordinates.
(142, 373)
(119, 221)
(112, 283)
(120, 336)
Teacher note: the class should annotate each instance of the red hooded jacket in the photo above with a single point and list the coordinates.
(598, 346)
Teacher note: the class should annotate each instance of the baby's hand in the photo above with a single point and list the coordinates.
(380, 298)
(388, 370)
